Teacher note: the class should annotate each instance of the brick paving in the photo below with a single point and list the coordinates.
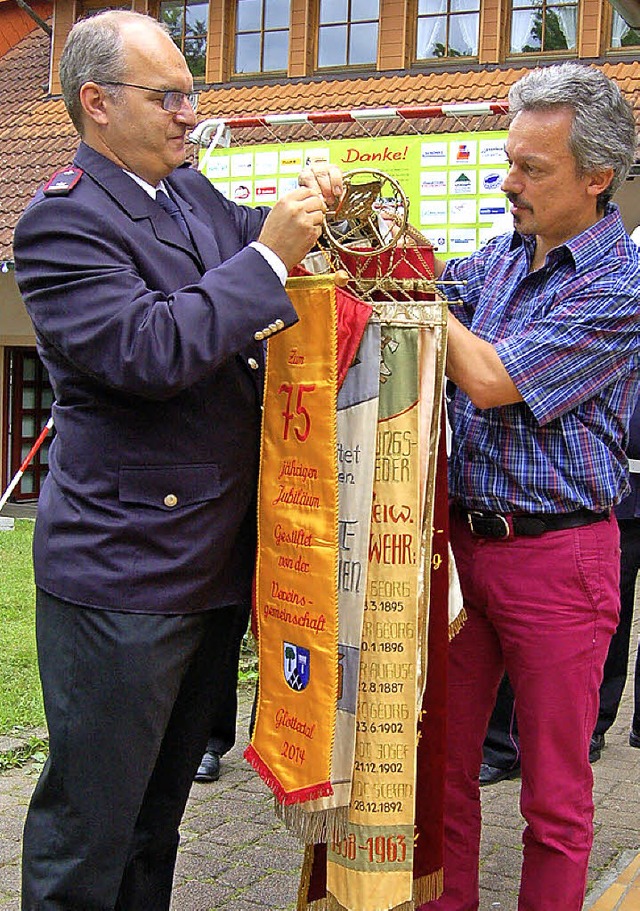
(236, 855)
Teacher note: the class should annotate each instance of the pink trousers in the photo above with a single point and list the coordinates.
(545, 608)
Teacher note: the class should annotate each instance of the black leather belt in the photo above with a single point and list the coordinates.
(496, 525)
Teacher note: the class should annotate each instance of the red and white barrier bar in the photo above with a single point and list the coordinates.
(204, 131)
(16, 478)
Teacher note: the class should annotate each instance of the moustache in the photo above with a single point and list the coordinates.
(515, 201)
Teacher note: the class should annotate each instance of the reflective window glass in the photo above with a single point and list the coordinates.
(262, 36)
(249, 15)
(276, 14)
(28, 426)
(29, 368)
(334, 11)
(26, 482)
(276, 50)
(188, 23)
(538, 26)
(622, 35)
(348, 33)
(447, 28)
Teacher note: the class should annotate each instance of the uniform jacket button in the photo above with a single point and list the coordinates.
(279, 324)
(252, 362)
(259, 335)
(273, 327)
(171, 500)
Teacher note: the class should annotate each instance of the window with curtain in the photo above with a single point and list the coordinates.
(187, 23)
(538, 26)
(447, 28)
(348, 32)
(262, 36)
(622, 35)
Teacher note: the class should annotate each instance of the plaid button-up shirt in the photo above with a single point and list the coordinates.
(568, 336)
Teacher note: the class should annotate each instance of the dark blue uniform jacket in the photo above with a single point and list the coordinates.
(149, 343)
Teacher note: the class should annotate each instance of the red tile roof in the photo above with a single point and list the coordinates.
(15, 23)
(37, 138)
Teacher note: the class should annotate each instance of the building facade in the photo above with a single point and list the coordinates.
(253, 59)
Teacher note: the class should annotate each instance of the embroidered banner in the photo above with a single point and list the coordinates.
(296, 582)
(381, 866)
(357, 417)
(349, 781)
(371, 867)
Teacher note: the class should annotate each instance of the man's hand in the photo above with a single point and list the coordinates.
(325, 180)
(294, 225)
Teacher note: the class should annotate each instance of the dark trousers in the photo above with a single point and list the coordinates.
(129, 700)
(222, 734)
(615, 669)
(501, 746)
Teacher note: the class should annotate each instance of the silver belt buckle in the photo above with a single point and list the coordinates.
(477, 514)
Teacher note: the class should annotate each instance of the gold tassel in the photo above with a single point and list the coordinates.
(457, 623)
(428, 888)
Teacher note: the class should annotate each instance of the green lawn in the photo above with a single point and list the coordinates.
(20, 700)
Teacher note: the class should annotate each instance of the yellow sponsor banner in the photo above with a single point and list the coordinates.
(296, 589)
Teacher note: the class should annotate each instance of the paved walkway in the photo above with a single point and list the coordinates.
(236, 856)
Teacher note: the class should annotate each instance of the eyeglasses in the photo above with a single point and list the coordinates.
(172, 100)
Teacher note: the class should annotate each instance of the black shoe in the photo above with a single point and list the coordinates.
(489, 774)
(596, 746)
(634, 738)
(209, 768)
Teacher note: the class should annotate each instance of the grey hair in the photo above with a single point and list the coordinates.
(603, 133)
(95, 52)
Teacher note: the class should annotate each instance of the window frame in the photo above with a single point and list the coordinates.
(543, 52)
(447, 15)
(260, 73)
(608, 36)
(348, 22)
(184, 37)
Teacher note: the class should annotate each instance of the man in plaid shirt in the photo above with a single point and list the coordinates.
(544, 351)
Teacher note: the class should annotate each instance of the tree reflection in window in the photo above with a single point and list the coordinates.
(538, 26)
(622, 35)
(262, 36)
(187, 23)
(447, 28)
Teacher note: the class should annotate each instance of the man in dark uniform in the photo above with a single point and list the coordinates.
(151, 296)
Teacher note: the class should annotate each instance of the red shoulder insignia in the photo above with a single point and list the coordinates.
(62, 182)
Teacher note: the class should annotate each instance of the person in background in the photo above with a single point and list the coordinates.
(222, 729)
(501, 747)
(616, 665)
(151, 296)
(544, 349)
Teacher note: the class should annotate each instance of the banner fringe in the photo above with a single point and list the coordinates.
(315, 827)
(428, 888)
(457, 623)
(313, 792)
(330, 903)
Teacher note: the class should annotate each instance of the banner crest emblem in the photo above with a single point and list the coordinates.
(295, 663)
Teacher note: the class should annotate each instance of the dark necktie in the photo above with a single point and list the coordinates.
(166, 203)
